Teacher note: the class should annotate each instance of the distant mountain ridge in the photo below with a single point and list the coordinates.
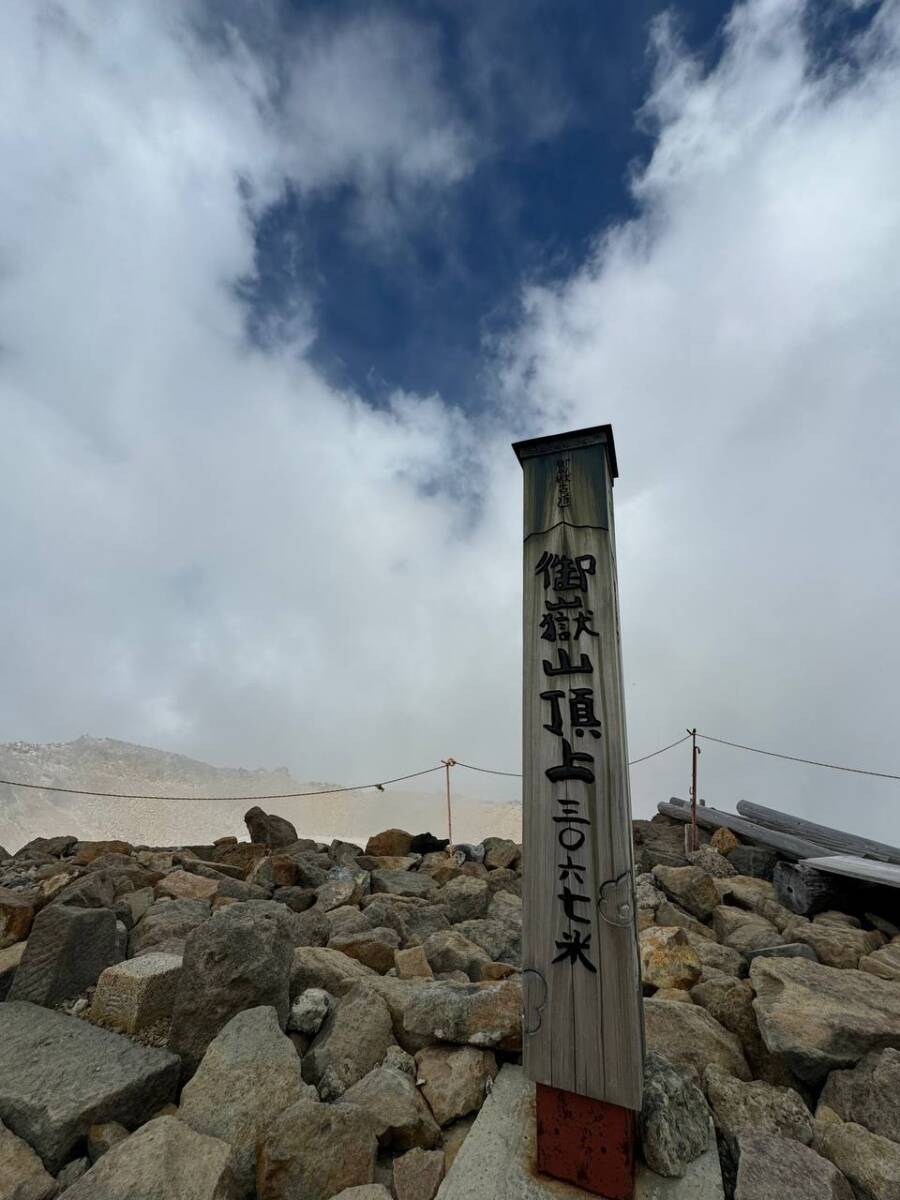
(108, 765)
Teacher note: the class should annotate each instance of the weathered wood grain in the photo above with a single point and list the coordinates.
(806, 891)
(823, 835)
(857, 868)
(712, 818)
(584, 1029)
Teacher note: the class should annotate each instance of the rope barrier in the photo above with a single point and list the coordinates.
(381, 784)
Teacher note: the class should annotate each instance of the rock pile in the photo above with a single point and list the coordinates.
(274, 1018)
(286, 1020)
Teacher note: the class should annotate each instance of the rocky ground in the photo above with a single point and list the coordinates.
(292, 1021)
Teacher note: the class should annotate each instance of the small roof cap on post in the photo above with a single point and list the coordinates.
(558, 442)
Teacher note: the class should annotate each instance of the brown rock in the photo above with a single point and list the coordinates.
(450, 951)
(885, 963)
(778, 1168)
(86, 852)
(182, 885)
(389, 843)
(724, 840)
(690, 887)
(837, 945)
(314, 1150)
(667, 959)
(869, 1161)
(418, 1174)
(412, 963)
(669, 914)
(477, 1014)
(497, 970)
(691, 1039)
(242, 854)
(267, 829)
(454, 1080)
(330, 970)
(16, 915)
(22, 1174)
(400, 1116)
(743, 930)
(374, 948)
(353, 1039)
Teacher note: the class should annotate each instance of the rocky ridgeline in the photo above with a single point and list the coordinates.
(281, 1019)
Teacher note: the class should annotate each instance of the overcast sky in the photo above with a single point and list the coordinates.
(279, 283)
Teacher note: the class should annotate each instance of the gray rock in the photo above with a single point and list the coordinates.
(57, 846)
(22, 1174)
(778, 1168)
(348, 919)
(247, 1077)
(754, 861)
(478, 1014)
(418, 1173)
(716, 958)
(690, 1039)
(403, 883)
(450, 951)
(308, 928)
(500, 852)
(352, 1040)
(313, 1150)
(240, 958)
(167, 923)
(822, 1018)
(309, 1011)
(465, 899)
(743, 930)
(870, 1162)
(422, 922)
(454, 1079)
(869, 1094)
(66, 951)
(298, 899)
(96, 890)
(164, 1160)
(319, 967)
(59, 1076)
(9, 964)
(788, 950)
(712, 862)
(72, 1172)
(500, 940)
(400, 1115)
(691, 887)
(674, 1119)
(268, 829)
(132, 996)
(754, 1107)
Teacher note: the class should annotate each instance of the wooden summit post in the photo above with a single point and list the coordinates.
(583, 1033)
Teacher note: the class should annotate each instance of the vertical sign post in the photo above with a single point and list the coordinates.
(583, 1035)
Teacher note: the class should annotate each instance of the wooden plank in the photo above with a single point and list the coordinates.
(824, 835)
(713, 818)
(857, 868)
(583, 1008)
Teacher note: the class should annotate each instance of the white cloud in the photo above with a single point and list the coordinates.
(209, 548)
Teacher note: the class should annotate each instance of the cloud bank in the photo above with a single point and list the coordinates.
(209, 548)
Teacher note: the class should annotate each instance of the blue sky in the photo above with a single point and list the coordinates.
(279, 284)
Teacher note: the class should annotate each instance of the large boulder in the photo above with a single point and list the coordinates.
(869, 1094)
(403, 883)
(164, 1160)
(134, 995)
(869, 1161)
(400, 1116)
(314, 1150)
(450, 951)
(500, 940)
(247, 1077)
(730, 1001)
(466, 899)
(716, 959)
(22, 1174)
(743, 930)
(240, 958)
(754, 1107)
(478, 1014)
(691, 1039)
(66, 952)
(418, 1174)
(185, 885)
(667, 958)
(59, 1076)
(165, 926)
(267, 829)
(352, 1040)
(836, 945)
(822, 1018)
(674, 1118)
(691, 887)
(389, 843)
(772, 1167)
(373, 947)
(328, 969)
(454, 1079)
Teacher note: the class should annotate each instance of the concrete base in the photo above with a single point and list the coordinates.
(497, 1159)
